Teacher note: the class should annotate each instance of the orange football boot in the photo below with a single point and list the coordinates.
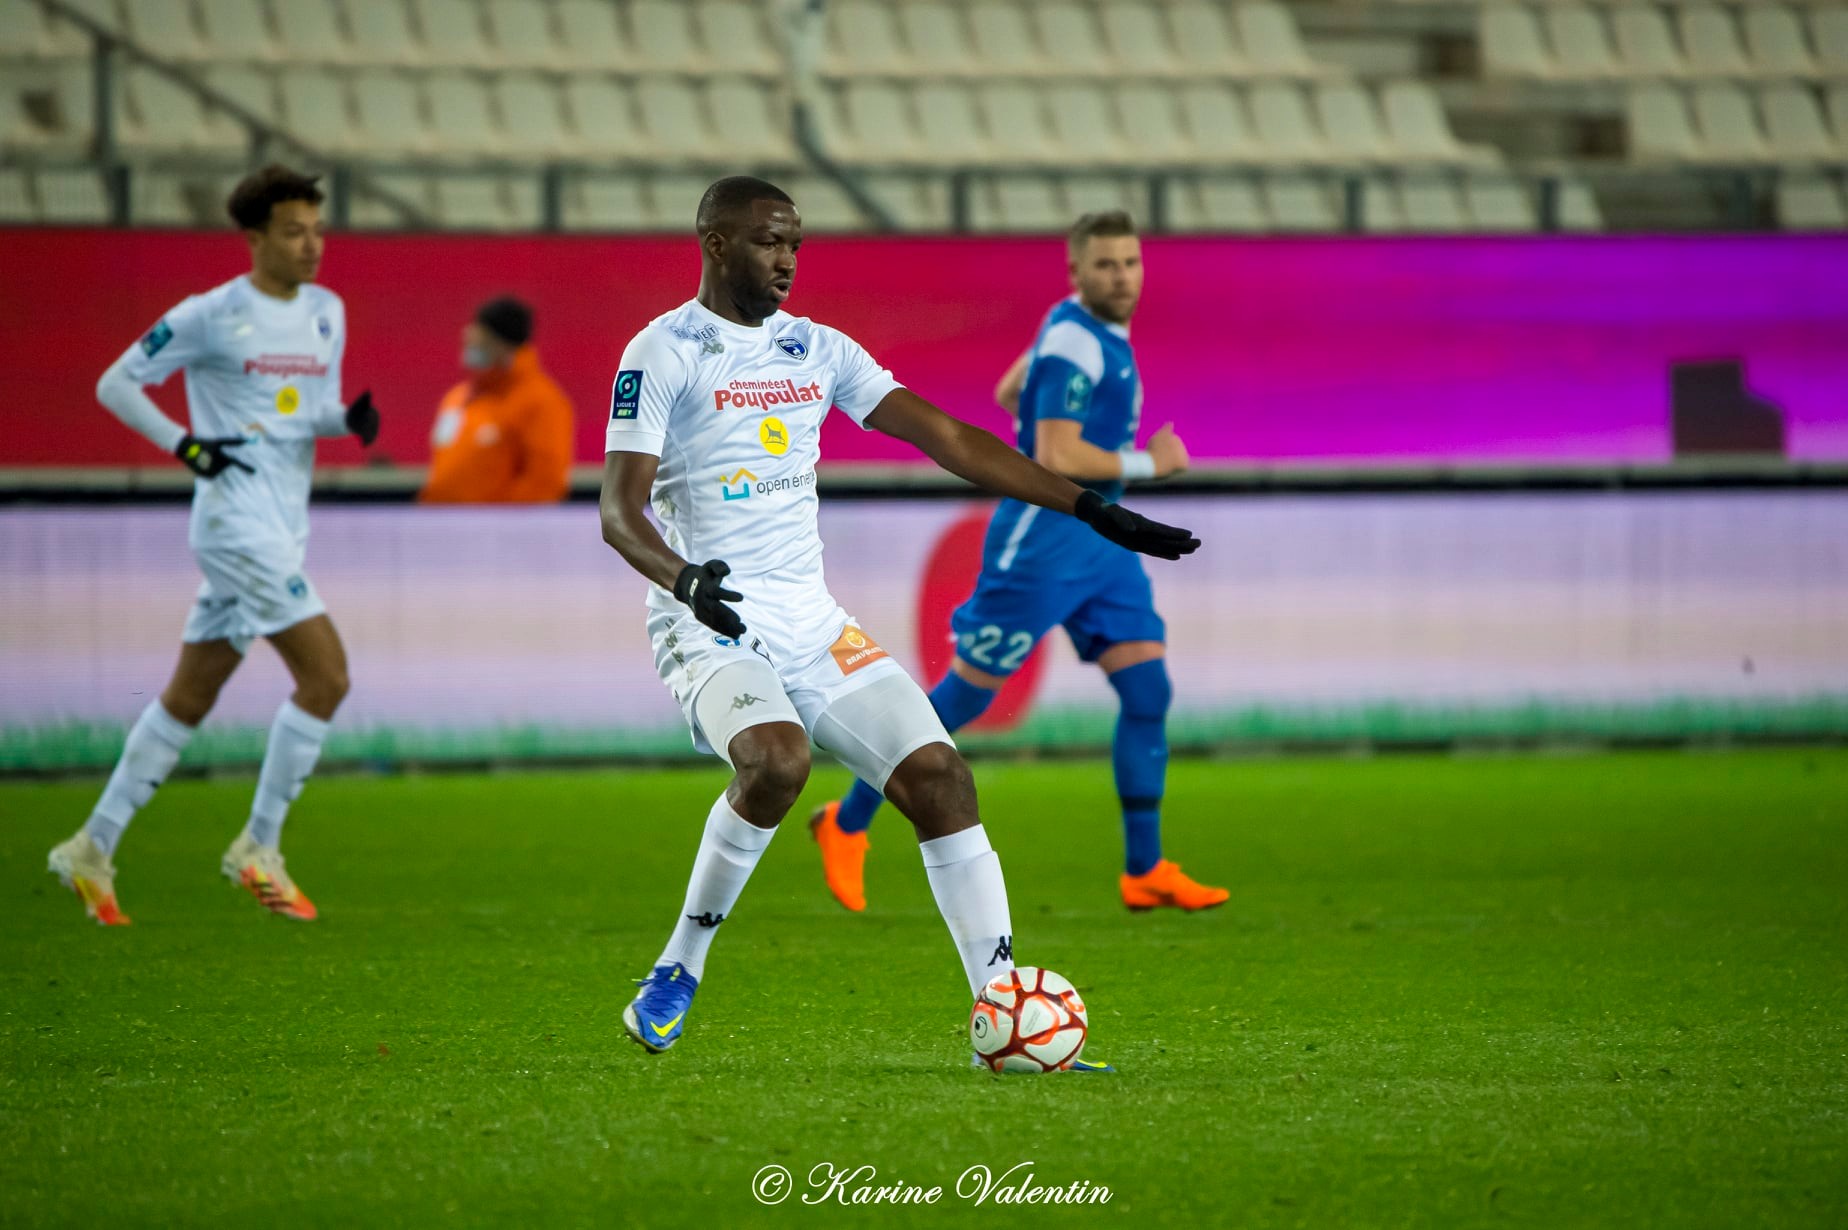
(89, 873)
(843, 857)
(1164, 885)
(261, 870)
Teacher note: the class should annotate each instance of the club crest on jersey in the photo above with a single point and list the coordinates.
(324, 327)
(791, 347)
(626, 396)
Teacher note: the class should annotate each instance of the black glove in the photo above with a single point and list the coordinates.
(698, 585)
(1133, 530)
(210, 458)
(362, 418)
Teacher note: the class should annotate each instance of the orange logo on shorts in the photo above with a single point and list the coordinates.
(856, 649)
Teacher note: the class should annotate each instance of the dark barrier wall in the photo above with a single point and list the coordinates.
(1467, 350)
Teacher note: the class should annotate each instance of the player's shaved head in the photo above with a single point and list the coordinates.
(727, 204)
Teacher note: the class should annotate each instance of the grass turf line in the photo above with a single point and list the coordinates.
(1600, 991)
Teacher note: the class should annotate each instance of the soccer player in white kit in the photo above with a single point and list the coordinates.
(262, 357)
(715, 419)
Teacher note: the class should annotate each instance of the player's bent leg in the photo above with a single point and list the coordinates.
(85, 863)
(1138, 672)
(743, 712)
(312, 650)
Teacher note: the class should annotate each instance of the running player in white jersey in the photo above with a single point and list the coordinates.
(262, 356)
(715, 419)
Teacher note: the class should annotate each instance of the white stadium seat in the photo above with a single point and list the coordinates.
(951, 123)
(1659, 125)
(672, 116)
(1016, 122)
(1270, 39)
(391, 120)
(158, 198)
(1280, 115)
(1433, 204)
(1027, 203)
(1084, 124)
(253, 89)
(1512, 45)
(167, 117)
(532, 108)
(1829, 27)
(522, 35)
(1837, 105)
(1578, 207)
(865, 38)
(452, 33)
(1728, 124)
(1300, 203)
(1004, 38)
(735, 37)
(1382, 209)
(309, 33)
(661, 36)
(315, 108)
(1420, 130)
(1794, 123)
(1205, 39)
(1085, 194)
(750, 122)
(27, 32)
(1232, 205)
(1074, 35)
(1581, 43)
(609, 203)
(1499, 203)
(918, 203)
(880, 125)
(71, 197)
(1810, 202)
(1138, 39)
(1351, 123)
(382, 33)
(937, 36)
(1152, 124)
(1219, 123)
(17, 201)
(1775, 38)
(1647, 42)
(369, 212)
(461, 116)
(236, 30)
(592, 38)
(1712, 41)
(165, 27)
(603, 110)
(825, 206)
(476, 203)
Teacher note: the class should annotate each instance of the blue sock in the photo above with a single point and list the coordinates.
(1140, 756)
(957, 702)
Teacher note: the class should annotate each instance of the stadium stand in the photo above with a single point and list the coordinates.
(1244, 115)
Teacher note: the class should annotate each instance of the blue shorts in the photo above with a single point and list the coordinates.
(1107, 604)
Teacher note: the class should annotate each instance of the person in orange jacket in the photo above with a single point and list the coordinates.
(504, 435)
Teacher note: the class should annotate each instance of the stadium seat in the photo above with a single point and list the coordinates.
(486, 202)
(1419, 129)
(1016, 121)
(938, 38)
(1231, 205)
(452, 33)
(864, 37)
(1646, 42)
(1837, 104)
(1581, 44)
(165, 28)
(1351, 122)
(1829, 26)
(1382, 209)
(1578, 207)
(1217, 119)
(1138, 40)
(591, 36)
(603, 111)
(1074, 37)
(825, 206)
(1433, 204)
(171, 118)
(951, 123)
(1712, 41)
(1271, 42)
(369, 212)
(1205, 40)
(310, 33)
(105, 13)
(1300, 203)
(879, 125)
(1794, 123)
(662, 37)
(1499, 203)
(676, 198)
(1511, 42)
(735, 36)
(532, 109)
(1659, 127)
(461, 116)
(1810, 202)
(314, 106)
(1281, 118)
(27, 32)
(71, 197)
(1004, 39)
(17, 203)
(609, 203)
(1775, 38)
(750, 122)
(1729, 130)
(1020, 203)
(253, 89)
(1152, 124)
(1085, 125)
(236, 31)
(158, 198)
(382, 34)
(1096, 193)
(522, 35)
(671, 115)
(391, 122)
(917, 202)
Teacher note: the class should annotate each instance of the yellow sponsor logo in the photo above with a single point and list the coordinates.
(774, 436)
(288, 399)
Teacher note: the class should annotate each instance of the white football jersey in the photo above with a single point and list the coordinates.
(264, 369)
(734, 413)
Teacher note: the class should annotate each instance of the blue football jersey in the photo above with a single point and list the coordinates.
(1083, 370)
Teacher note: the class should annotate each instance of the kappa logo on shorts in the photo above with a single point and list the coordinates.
(855, 650)
(745, 701)
(298, 588)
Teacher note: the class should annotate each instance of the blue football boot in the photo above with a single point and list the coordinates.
(658, 1013)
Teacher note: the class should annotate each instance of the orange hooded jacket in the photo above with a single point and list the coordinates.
(504, 437)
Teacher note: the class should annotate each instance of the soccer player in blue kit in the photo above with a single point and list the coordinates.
(1079, 409)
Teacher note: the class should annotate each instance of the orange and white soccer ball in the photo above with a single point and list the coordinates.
(1028, 1020)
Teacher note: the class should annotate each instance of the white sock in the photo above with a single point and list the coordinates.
(294, 746)
(965, 877)
(728, 852)
(153, 748)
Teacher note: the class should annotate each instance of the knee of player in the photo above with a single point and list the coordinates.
(934, 771)
(1146, 690)
(772, 767)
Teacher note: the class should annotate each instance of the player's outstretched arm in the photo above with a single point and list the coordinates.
(971, 453)
(628, 479)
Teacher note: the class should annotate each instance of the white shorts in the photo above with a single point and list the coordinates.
(249, 593)
(852, 698)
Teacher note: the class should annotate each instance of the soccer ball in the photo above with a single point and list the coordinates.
(1028, 1020)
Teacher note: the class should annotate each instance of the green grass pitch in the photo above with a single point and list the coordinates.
(1559, 991)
